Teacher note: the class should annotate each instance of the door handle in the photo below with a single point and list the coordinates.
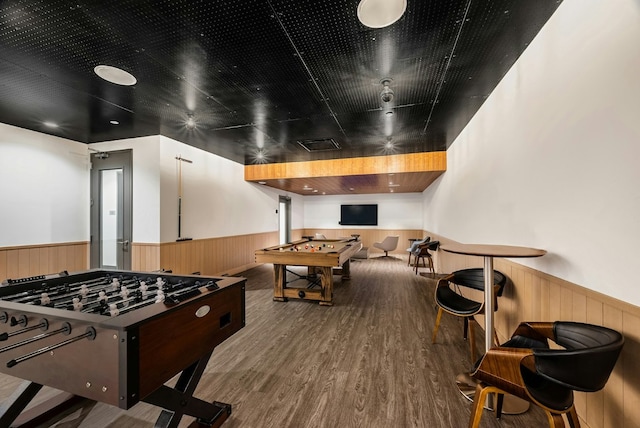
(125, 245)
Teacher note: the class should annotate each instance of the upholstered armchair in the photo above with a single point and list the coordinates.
(390, 243)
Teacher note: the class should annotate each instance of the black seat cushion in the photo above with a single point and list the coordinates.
(453, 302)
(547, 392)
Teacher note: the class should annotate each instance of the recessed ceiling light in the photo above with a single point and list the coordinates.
(50, 124)
(114, 122)
(115, 75)
(262, 182)
(380, 13)
(191, 124)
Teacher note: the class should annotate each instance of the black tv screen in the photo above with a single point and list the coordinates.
(359, 215)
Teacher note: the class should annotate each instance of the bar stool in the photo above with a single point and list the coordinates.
(414, 246)
(525, 367)
(424, 254)
(452, 301)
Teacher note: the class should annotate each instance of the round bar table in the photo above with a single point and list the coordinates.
(488, 251)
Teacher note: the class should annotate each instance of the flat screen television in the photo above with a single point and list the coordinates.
(359, 215)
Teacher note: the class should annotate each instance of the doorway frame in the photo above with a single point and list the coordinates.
(284, 201)
(101, 161)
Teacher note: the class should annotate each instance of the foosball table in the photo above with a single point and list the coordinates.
(117, 337)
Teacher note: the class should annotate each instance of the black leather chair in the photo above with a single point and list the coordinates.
(422, 252)
(526, 367)
(449, 298)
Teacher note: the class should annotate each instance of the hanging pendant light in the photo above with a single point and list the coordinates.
(380, 13)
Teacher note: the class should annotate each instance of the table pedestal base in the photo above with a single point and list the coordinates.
(511, 405)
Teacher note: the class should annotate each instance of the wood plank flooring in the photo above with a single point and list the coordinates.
(365, 362)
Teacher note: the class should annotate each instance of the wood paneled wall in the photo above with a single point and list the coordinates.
(369, 236)
(233, 254)
(32, 260)
(215, 256)
(536, 296)
(207, 256)
(145, 257)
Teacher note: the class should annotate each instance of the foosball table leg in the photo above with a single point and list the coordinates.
(14, 405)
(179, 401)
(12, 413)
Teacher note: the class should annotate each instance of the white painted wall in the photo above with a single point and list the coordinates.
(551, 159)
(216, 201)
(146, 184)
(44, 189)
(395, 210)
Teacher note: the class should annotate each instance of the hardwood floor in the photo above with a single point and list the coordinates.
(367, 361)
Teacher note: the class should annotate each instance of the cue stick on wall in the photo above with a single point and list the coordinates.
(180, 159)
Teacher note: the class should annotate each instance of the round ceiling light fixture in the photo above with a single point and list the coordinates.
(115, 75)
(380, 13)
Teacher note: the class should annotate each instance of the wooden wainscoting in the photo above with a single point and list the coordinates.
(145, 257)
(537, 296)
(32, 260)
(216, 256)
(369, 236)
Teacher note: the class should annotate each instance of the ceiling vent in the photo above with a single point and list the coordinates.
(322, 145)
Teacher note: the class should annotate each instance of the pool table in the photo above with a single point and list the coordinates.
(319, 255)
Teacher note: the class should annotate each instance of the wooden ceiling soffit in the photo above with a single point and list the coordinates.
(400, 173)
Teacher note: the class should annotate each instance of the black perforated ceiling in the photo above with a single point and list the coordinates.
(259, 75)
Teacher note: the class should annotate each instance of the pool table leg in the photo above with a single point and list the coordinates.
(279, 279)
(346, 270)
(326, 276)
